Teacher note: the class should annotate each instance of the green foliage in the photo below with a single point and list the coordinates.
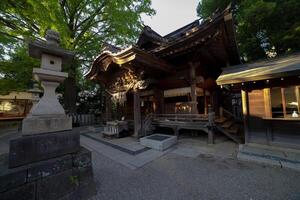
(84, 25)
(16, 73)
(263, 25)
(91, 98)
(207, 7)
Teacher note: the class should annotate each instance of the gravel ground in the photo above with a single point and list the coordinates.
(176, 177)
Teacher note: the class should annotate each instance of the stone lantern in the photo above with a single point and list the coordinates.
(35, 94)
(48, 115)
(47, 161)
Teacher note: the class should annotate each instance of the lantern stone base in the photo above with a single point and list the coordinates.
(65, 177)
(29, 149)
(46, 124)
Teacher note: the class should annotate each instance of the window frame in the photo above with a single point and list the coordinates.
(283, 100)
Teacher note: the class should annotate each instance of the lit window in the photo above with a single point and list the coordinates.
(284, 102)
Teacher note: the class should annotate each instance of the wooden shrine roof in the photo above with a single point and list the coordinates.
(263, 70)
(210, 42)
(126, 59)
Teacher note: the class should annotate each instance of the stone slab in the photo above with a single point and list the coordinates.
(24, 192)
(10, 178)
(37, 125)
(57, 186)
(29, 149)
(159, 141)
(270, 156)
(82, 159)
(49, 167)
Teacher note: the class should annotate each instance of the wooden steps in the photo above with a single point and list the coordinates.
(235, 138)
(227, 124)
(233, 130)
(220, 120)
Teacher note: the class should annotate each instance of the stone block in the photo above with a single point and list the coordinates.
(81, 193)
(159, 141)
(33, 125)
(48, 168)
(82, 159)
(51, 62)
(29, 149)
(24, 192)
(85, 191)
(10, 178)
(57, 186)
(85, 175)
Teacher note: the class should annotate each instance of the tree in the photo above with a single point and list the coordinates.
(17, 72)
(83, 24)
(264, 27)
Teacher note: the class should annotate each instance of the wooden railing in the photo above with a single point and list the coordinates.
(181, 117)
(82, 119)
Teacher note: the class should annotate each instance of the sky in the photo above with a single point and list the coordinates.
(171, 15)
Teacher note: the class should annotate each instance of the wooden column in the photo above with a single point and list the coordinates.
(108, 107)
(221, 113)
(159, 101)
(245, 106)
(205, 102)
(211, 122)
(137, 113)
(267, 101)
(193, 88)
(283, 102)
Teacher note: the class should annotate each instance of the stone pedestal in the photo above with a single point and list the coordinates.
(25, 150)
(37, 125)
(67, 177)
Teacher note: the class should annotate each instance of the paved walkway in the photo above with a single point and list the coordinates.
(186, 173)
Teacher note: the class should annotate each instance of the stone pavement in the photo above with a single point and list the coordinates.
(126, 159)
(285, 158)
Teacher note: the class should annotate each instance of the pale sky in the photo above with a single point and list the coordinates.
(171, 15)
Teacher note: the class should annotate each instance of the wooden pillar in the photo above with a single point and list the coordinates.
(215, 100)
(137, 113)
(108, 107)
(159, 101)
(193, 88)
(245, 106)
(221, 112)
(211, 122)
(205, 102)
(267, 101)
(283, 102)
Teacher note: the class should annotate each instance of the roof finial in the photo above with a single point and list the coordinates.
(52, 37)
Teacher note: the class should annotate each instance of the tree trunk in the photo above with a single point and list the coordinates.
(70, 95)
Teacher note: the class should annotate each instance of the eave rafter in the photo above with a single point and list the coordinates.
(132, 57)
